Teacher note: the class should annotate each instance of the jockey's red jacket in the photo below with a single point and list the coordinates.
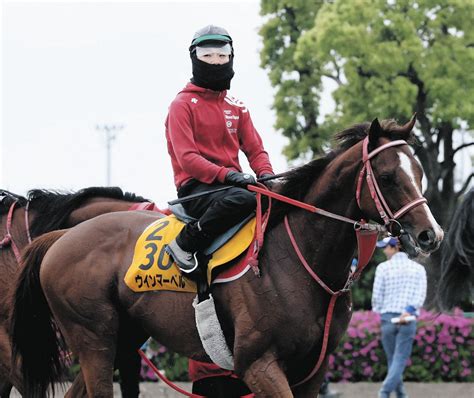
(205, 130)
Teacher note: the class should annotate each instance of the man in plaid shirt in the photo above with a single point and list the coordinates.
(399, 291)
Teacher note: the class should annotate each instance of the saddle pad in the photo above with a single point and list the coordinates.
(153, 269)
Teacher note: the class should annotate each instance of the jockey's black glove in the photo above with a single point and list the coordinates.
(269, 183)
(239, 179)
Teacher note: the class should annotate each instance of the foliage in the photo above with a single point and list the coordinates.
(298, 87)
(441, 352)
(174, 366)
(388, 59)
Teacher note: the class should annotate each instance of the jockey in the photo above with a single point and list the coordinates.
(205, 129)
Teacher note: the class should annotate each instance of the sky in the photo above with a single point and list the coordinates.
(68, 67)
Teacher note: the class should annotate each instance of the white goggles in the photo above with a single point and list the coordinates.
(224, 50)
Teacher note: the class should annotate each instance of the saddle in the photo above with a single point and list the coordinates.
(153, 269)
(180, 213)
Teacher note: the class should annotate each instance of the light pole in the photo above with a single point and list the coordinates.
(110, 131)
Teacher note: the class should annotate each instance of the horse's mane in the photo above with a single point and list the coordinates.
(457, 255)
(296, 183)
(54, 207)
(6, 200)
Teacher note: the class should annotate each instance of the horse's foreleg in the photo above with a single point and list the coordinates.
(266, 378)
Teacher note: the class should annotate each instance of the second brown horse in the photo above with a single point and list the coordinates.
(40, 212)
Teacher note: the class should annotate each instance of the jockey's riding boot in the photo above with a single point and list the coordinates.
(183, 249)
(186, 261)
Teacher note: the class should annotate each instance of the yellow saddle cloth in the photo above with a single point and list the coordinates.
(153, 269)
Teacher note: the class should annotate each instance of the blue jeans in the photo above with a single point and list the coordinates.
(397, 341)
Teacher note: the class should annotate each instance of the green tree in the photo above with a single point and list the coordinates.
(389, 59)
(298, 86)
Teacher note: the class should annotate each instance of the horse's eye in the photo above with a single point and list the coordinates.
(386, 179)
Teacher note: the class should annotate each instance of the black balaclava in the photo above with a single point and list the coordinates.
(212, 76)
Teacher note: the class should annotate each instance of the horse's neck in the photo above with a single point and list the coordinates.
(327, 244)
(96, 207)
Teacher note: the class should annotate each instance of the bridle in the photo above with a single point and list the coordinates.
(389, 218)
(8, 238)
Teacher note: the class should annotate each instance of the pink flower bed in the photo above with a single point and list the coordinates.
(443, 350)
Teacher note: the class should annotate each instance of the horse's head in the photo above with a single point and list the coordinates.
(391, 193)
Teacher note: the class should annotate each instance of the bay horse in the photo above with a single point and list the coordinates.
(456, 285)
(23, 219)
(273, 321)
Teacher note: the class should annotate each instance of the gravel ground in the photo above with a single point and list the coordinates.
(346, 390)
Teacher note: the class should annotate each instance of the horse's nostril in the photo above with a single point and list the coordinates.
(427, 239)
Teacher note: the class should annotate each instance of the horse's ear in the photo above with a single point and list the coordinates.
(407, 127)
(374, 131)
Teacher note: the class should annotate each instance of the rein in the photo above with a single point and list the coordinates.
(8, 238)
(358, 225)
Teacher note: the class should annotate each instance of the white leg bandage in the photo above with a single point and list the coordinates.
(211, 334)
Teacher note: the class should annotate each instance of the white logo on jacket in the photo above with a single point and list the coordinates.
(194, 100)
(236, 102)
(229, 120)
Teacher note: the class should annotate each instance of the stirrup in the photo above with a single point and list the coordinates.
(184, 267)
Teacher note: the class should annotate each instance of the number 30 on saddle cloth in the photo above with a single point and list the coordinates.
(153, 269)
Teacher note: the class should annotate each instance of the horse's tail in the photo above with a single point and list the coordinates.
(35, 339)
